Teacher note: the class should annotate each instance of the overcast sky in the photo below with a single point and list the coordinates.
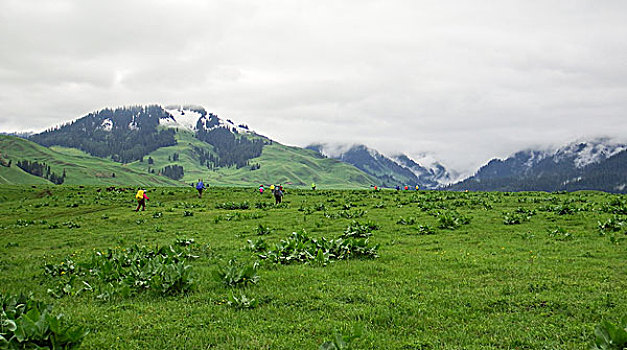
(462, 81)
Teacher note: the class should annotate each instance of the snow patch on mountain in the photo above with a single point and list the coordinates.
(188, 117)
(535, 157)
(594, 153)
(107, 125)
(183, 118)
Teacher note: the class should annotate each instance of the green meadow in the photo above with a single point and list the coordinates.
(326, 269)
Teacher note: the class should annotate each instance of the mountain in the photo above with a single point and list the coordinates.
(73, 166)
(595, 165)
(187, 143)
(432, 177)
(389, 171)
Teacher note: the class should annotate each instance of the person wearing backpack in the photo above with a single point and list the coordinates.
(278, 195)
(141, 198)
(200, 187)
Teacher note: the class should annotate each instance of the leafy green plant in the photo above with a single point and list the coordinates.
(614, 224)
(451, 220)
(409, 221)
(299, 247)
(560, 234)
(242, 301)
(610, 337)
(357, 230)
(341, 342)
(232, 205)
(27, 323)
(425, 230)
(125, 272)
(71, 224)
(263, 230)
(188, 213)
(515, 218)
(238, 275)
(257, 246)
(184, 242)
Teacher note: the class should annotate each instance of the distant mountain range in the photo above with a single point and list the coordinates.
(592, 165)
(393, 171)
(185, 143)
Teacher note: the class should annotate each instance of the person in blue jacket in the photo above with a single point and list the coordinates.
(200, 187)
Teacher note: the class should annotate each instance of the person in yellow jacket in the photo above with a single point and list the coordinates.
(271, 187)
(141, 198)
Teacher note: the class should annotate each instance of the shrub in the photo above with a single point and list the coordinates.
(162, 271)
(238, 275)
(357, 230)
(451, 220)
(560, 234)
(30, 324)
(409, 221)
(425, 230)
(242, 301)
(263, 230)
(515, 218)
(610, 337)
(614, 224)
(232, 205)
(299, 247)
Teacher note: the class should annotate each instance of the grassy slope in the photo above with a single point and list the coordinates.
(483, 285)
(279, 164)
(80, 167)
(187, 158)
(15, 176)
(300, 167)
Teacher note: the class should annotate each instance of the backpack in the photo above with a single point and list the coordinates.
(139, 195)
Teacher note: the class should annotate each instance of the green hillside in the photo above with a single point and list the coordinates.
(294, 166)
(80, 168)
(16, 176)
(278, 164)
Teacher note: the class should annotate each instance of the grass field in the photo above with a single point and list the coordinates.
(454, 270)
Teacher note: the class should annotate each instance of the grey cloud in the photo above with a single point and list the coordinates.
(462, 81)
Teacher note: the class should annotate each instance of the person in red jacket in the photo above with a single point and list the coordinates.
(141, 199)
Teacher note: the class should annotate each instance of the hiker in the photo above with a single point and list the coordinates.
(278, 194)
(261, 189)
(141, 199)
(406, 187)
(313, 186)
(398, 188)
(272, 188)
(200, 187)
(417, 187)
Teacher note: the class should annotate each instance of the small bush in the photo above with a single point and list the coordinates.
(238, 275)
(242, 301)
(610, 337)
(30, 324)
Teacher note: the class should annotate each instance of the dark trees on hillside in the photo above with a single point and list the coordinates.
(174, 172)
(230, 149)
(132, 134)
(41, 170)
